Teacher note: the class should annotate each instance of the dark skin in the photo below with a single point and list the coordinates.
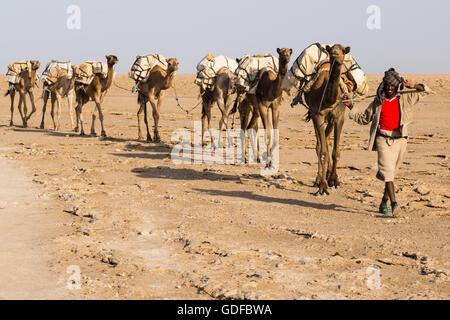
(391, 91)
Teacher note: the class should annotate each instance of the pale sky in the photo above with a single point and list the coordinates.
(414, 35)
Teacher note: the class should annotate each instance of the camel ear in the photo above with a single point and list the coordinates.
(290, 51)
(279, 50)
(238, 60)
(107, 57)
(328, 48)
(347, 50)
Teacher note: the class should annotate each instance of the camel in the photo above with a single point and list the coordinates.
(63, 87)
(25, 86)
(96, 92)
(152, 90)
(265, 102)
(323, 101)
(220, 94)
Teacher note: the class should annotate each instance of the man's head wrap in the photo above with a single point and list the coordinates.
(392, 78)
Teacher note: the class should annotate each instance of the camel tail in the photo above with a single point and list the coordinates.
(7, 92)
(308, 116)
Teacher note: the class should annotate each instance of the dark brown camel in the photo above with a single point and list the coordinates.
(26, 85)
(325, 107)
(152, 91)
(96, 92)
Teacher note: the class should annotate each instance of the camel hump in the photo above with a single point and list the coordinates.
(15, 70)
(208, 68)
(250, 68)
(143, 65)
(55, 69)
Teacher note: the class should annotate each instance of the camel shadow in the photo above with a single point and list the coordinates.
(297, 202)
(164, 172)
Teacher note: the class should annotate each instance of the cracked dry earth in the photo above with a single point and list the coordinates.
(140, 226)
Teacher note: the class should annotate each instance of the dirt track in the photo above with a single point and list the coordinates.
(139, 226)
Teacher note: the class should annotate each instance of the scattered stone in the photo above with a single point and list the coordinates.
(169, 196)
(422, 190)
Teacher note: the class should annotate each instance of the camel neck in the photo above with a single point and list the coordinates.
(282, 70)
(110, 77)
(169, 78)
(332, 92)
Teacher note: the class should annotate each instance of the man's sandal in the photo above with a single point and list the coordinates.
(384, 209)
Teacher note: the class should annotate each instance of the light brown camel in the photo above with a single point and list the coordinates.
(266, 101)
(325, 107)
(25, 86)
(152, 90)
(96, 92)
(63, 87)
(220, 94)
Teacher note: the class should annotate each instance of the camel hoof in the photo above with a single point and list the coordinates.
(41, 126)
(323, 189)
(11, 123)
(333, 181)
(76, 129)
(149, 139)
(103, 134)
(93, 134)
(82, 133)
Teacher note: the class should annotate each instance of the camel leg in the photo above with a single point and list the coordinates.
(139, 120)
(155, 108)
(149, 137)
(44, 108)
(267, 124)
(94, 116)
(206, 121)
(24, 110)
(100, 116)
(319, 123)
(223, 110)
(78, 109)
(328, 131)
(33, 106)
(70, 106)
(319, 163)
(52, 112)
(12, 94)
(333, 180)
(58, 111)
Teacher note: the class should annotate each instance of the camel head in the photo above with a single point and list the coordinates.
(112, 60)
(172, 64)
(337, 52)
(35, 64)
(285, 55)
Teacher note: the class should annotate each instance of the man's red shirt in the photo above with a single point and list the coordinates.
(390, 115)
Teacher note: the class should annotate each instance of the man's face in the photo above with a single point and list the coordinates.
(389, 90)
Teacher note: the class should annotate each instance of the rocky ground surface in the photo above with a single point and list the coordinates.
(140, 226)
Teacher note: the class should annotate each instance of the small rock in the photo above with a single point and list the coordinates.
(422, 190)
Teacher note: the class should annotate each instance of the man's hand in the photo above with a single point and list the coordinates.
(409, 84)
(347, 102)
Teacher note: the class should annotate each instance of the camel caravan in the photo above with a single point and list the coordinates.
(322, 78)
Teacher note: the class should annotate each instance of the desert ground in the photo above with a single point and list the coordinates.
(139, 226)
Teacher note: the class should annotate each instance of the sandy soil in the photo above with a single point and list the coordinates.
(140, 226)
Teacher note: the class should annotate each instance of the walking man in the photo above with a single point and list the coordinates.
(390, 113)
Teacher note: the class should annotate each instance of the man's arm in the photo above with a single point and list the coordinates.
(364, 117)
(413, 98)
